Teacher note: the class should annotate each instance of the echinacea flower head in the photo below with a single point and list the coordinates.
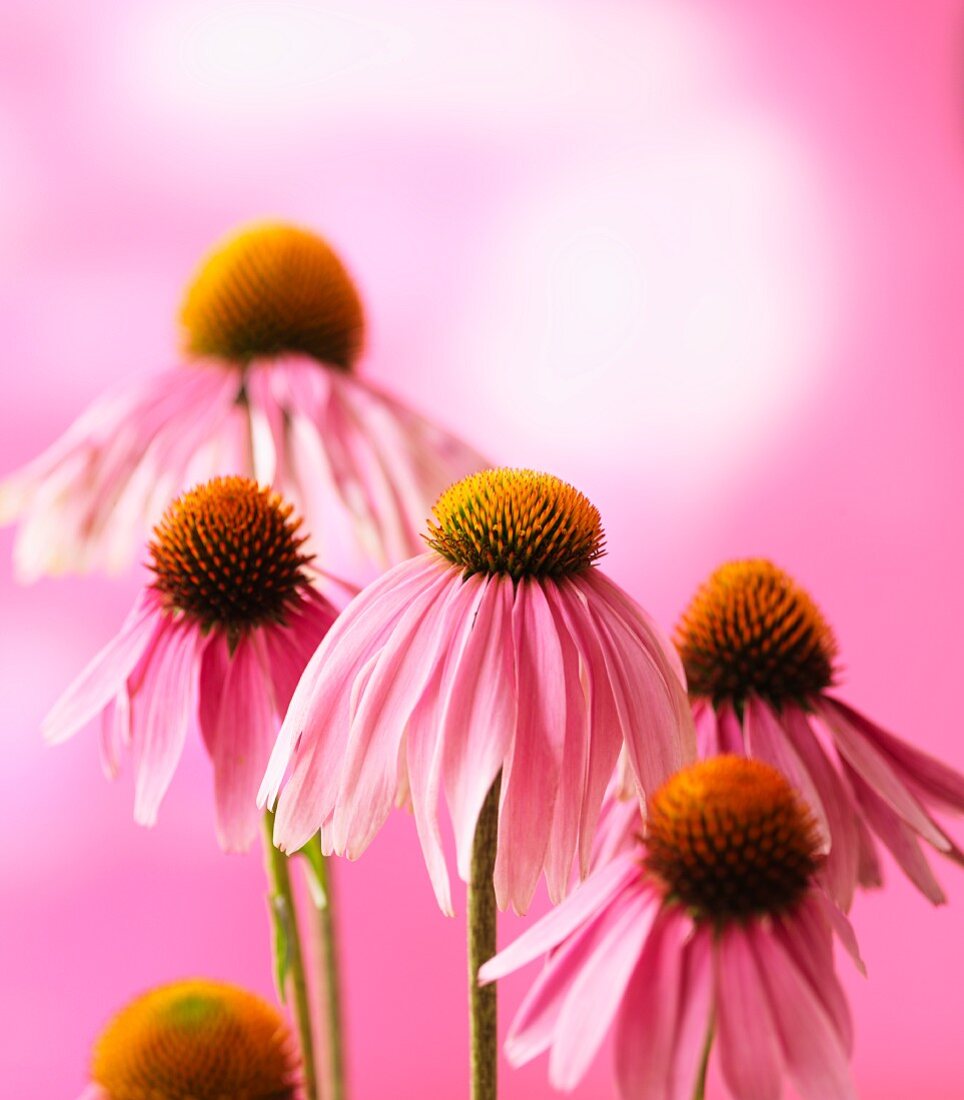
(272, 330)
(711, 929)
(502, 650)
(217, 642)
(760, 661)
(195, 1040)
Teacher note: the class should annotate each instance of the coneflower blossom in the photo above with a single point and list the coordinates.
(759, 659)
(503, 650)
(713, 931)
(195, 1039)
(272, 329)
(216, 642)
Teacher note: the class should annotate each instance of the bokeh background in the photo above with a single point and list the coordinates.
(704, 260)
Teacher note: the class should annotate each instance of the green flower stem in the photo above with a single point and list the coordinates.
(700, 1093)
(289, 959)
(329, 977)
(483, 1006)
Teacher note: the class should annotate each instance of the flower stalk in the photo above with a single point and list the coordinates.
(289, 960)
(483, 1006)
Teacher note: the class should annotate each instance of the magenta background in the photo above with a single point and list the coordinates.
(704, 260)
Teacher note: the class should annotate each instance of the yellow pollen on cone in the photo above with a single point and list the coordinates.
(517, 523)
(751, 628)
(273, 289)
(196, 1040)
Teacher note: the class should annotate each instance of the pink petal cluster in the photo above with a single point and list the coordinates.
(860, 781)
(432, 684)
(357, 463)
(162, 678)
(622, 958)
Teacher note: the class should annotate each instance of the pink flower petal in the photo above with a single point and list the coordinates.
(815, 1055)
(729, 731)
(665, 1016)
(842, 866)
(899, 838)
(479, 710)
(748, 1043)
(931, 777)
(595, 995)
(872, 766)
(707, 730)
(239, 742)
(104, 677)
(530, 776)
(767, 741)
(162, 709)
(580, 907)
(398, 677)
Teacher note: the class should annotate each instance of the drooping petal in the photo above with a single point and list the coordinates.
(581, 906)
(748, 1041)
(806, 936)
(729, 730)
(767, 741)
(289, 648)
(657, 725)
(843, 861)
(604, 732)
(238, 727)
(595, 995)
(398, 676)
(932, 778)
(314, 733)
(104, 677)
(898, 837)
(530, 776)
(815, 1056)
(665, 1016)
(479, 710)
(707, 730)
(162, 708)
(89, 499)
(872, 766)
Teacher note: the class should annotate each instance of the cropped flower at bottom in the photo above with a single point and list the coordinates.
(217, 642)
(195, 1040)
(712, 932)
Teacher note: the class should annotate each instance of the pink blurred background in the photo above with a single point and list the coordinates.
(702, 259)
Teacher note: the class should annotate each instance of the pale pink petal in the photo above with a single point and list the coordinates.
(657, 725)
(595, 995)
(746, 1032)
(115, 733)
(767, 741)
(604, 733)
(104, 677)
(571, 801)
(806, 935)
(665, 1016)
(479, 711)
(872, 766)
(239, 743)
(530, 776)
(402, 670)
(89, 499)
(620, 826)
(815, 1056)
(899, 838)
(314, 733)
(842, 866)
(931, 777)
(422, 752)
(162, 708)
(581, 906)
(215, 662)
